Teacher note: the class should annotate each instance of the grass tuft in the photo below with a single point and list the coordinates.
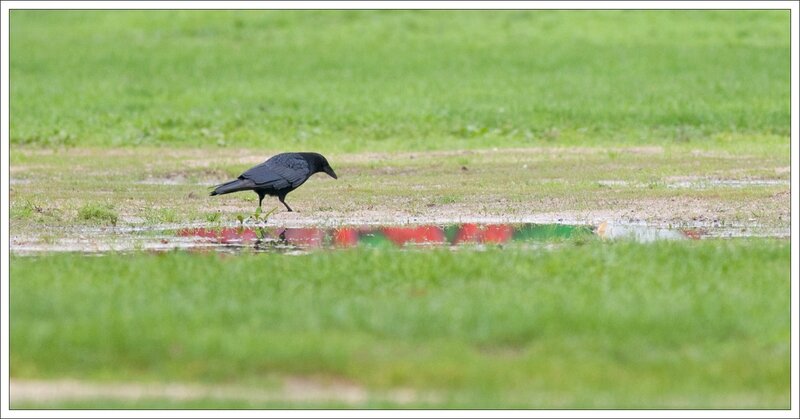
(101, 213)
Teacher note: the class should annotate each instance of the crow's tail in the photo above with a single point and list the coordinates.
(232, 186)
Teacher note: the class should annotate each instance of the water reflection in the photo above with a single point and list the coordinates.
(349, 236)
(299, 240)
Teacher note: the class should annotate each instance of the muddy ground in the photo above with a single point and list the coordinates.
(72, 195)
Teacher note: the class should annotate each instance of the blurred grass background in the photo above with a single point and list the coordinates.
(585, 324)
(348, 81)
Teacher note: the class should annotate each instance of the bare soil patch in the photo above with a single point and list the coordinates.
(291, 390)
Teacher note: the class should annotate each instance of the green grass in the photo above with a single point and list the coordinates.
(24, 210)
(161, 215)
(99, 213)
(344, 81)
(671, 324)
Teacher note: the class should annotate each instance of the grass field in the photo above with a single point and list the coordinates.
(121, 120)
(595, 325)
(341, 81)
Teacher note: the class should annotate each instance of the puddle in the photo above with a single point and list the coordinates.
(302, 239)
(385, 236)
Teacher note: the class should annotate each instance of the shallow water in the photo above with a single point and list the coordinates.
(301, 239)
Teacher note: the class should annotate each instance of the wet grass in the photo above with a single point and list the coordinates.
(399, 80)
(589, 324)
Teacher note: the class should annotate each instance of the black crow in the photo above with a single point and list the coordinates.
(278, 176)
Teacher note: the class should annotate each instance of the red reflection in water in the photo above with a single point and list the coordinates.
(346, 237)
(473, 233)
(467, 233)
(497, 233)
(421, 234)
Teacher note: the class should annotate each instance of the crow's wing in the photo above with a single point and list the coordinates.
(279, 172)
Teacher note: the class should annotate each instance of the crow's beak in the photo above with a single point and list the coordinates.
(330, 172)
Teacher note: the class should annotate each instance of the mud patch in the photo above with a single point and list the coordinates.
(564, 185)
(696, 184)
(198, 176)
(726, 183)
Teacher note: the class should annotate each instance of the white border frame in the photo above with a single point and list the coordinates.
(793, 6)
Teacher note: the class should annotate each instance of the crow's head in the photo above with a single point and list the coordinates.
(319, 163)
(328, 169)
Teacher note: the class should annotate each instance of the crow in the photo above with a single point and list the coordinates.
(278, 176)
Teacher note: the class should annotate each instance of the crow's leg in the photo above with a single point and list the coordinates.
(260, 198)
(281, 197)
